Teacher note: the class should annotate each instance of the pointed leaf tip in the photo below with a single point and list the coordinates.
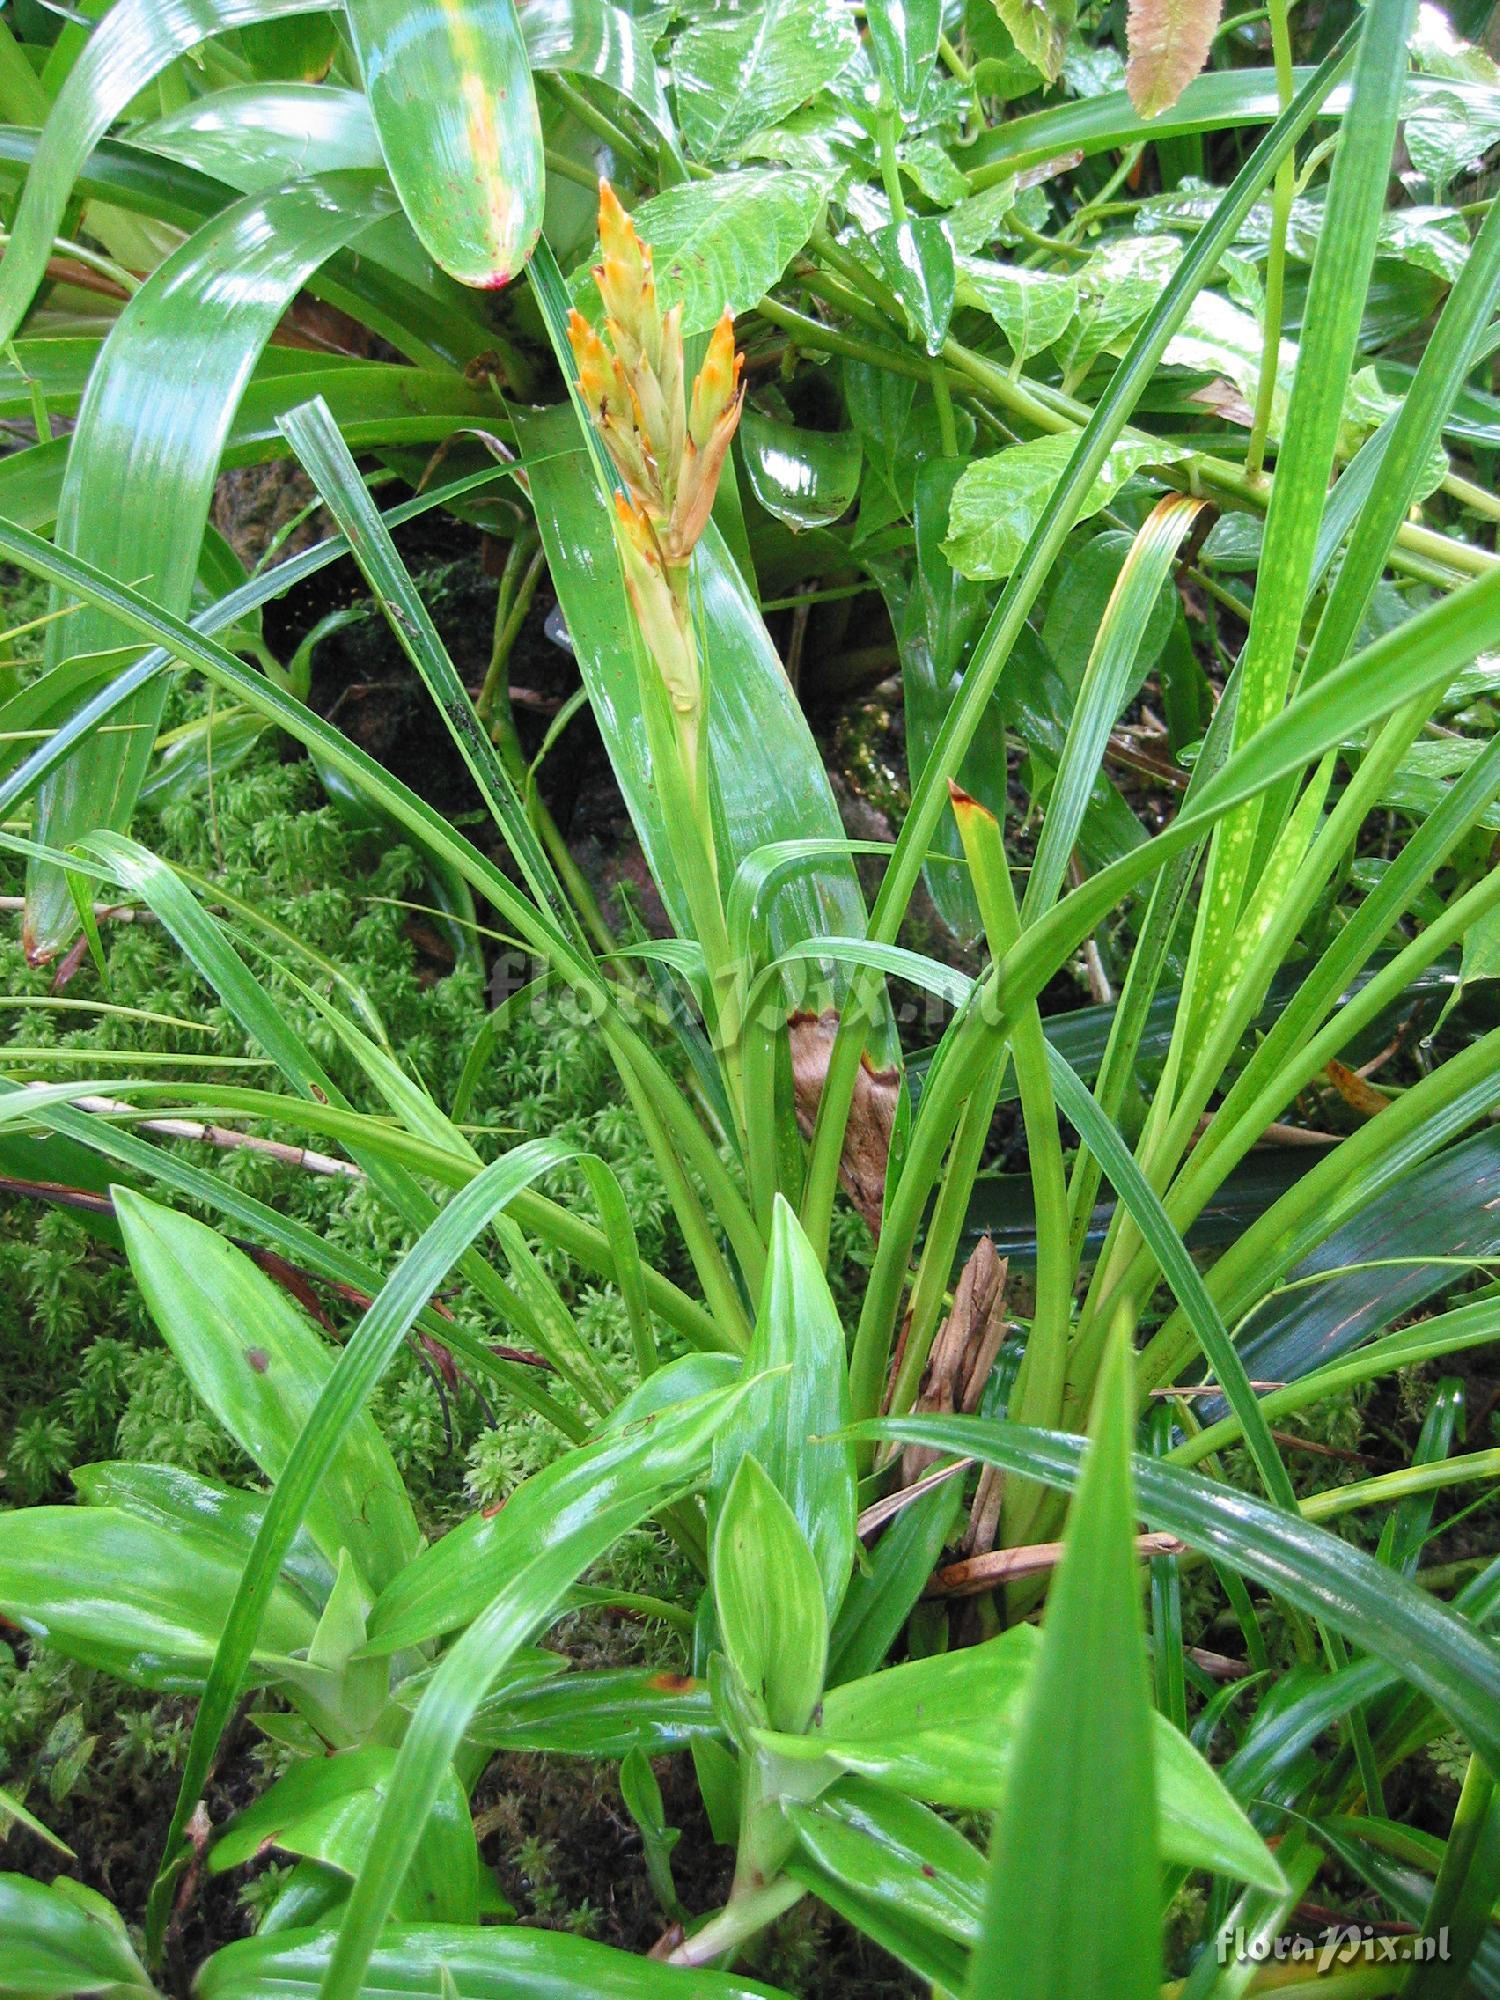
(1169, 42)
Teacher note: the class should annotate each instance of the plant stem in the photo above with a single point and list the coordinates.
(518, 581)
(523, 568)
(890, 166)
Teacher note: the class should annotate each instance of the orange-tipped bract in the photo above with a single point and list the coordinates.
(668, 449)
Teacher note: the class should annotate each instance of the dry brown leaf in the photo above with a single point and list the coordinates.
(1225, 400)
(1169, 41)
(963, 1352)
(1357, 1094)
(872, 1114)
(986, 1572)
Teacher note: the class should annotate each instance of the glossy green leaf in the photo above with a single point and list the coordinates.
(590, 38)
(641, 1797)
(891, 1850)
(916, 259)
(1430, 1340)
(1151, 1219)
(904, 41)
(375, 403)
(1336, 295)
(144, 1602)
(1087, 577)
(645, 1465)
(437, 324)
(1372, 1160)
(255, 135)
(559, 1522)
(1031, 308)
(450, 89)
(722, 242)
(883, 1592)
(65, 1942)
(898, 1927)
(1089, 459)
(999, 501)
(788, 1418)
(806, 479)
(335, 1417)
(945, 1730)
(133, 44)
(1040, 30)
(258, 1365)
(174, 1498)
(325, 1809)
(937, 614)
(1311, 1325)
(768, 1598)
(316, 439)
(501, 1964)
(1109, 679)
(605, 1714)
(1076, 1836)
(1223, 98)
(206, 944)
(1438, 1652)
(303, 48)
(735, 75)
(14, 1814)
(145, 454)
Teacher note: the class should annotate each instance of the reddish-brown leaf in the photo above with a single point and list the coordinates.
(1169, 42)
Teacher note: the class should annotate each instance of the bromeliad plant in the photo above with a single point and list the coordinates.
(814, 1474)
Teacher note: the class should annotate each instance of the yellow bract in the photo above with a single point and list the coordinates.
(668, 451)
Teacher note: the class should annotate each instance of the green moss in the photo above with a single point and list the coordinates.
(83, 1374)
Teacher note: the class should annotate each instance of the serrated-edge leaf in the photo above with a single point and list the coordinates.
(1169, 41)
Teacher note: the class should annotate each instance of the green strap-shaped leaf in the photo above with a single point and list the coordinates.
(1430, 1646)
(324, 1808)
(1073, 1890)
(591, 39)
(450, 1583)
(1336, 295)
(785, 1421)
(556, 1531)
(61, 1938)
(222, 1514)
(257, 1364)
(134, 43)
(414, 320)
(374, 403)
(1222, 98)
(450, 88)
(338, 1411)
(504, 1964)
(142, 1601)
(143, 461)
